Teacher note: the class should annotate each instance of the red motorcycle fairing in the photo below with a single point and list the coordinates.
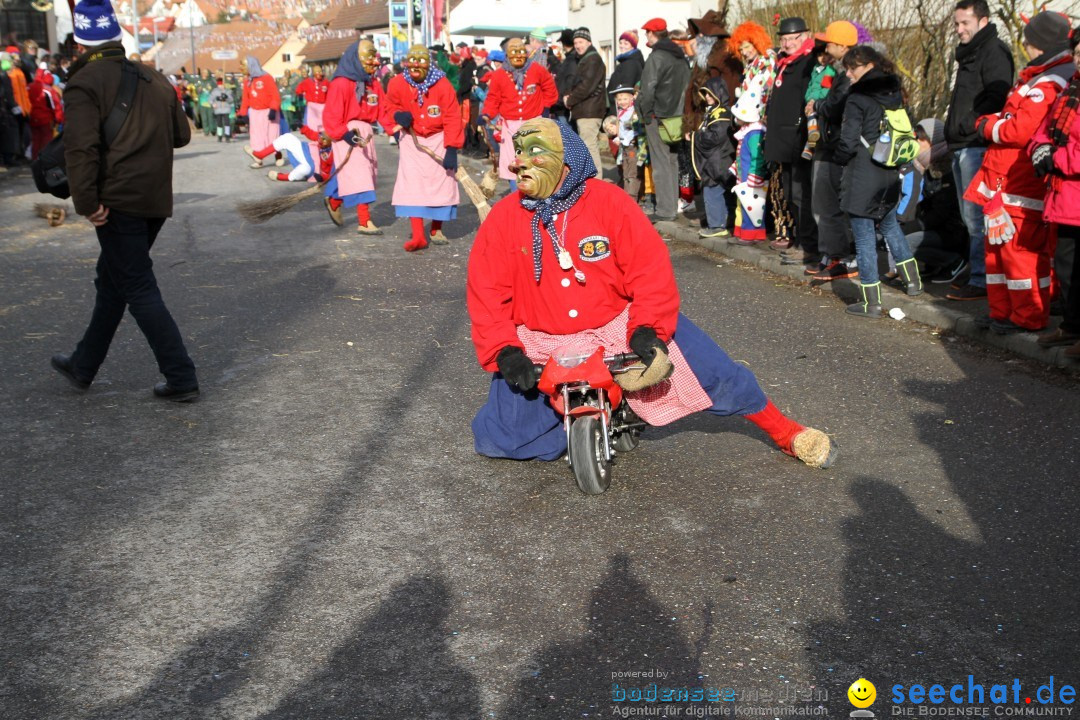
(594, 372)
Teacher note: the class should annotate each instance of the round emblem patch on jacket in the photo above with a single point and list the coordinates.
(594, 248)
(372, 99)
(530, 89)
(434, 111)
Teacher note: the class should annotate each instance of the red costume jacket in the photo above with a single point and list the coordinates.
(610, 240)
(504, 99)
(1063, 194)
(46, 107)
(312, 90)
(342, 106)
(1007, 165)
(440, 110)
(260, 93)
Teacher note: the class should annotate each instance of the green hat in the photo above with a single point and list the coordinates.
(539, 33)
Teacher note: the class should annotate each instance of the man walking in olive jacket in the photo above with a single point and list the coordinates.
(663, 90)
(125, 191)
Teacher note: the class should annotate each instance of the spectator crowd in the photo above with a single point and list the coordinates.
(803, 133)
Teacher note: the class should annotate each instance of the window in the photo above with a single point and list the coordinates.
(286, 57)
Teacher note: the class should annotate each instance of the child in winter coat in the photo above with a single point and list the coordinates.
(821, 81)
(751, 190)
(221, 102)
(46, 111)
(711, 152)
(627, 140)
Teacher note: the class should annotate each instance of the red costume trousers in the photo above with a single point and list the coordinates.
(1018, 273)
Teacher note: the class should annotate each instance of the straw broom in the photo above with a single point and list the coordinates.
(259, 211)
(476, 195)
(55, 214)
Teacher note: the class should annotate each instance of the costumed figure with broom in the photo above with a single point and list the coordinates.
(572, 260)
(424, 107)
(261, 102)
(354, 103)
(517, 92)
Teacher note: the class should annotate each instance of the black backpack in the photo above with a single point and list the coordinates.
(49, 167)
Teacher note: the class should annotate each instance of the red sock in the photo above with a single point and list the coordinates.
(419, 239)
(284, 177)
(363, 214)
(778, 426)
(335, 203)
(436, 226)
(268, 150)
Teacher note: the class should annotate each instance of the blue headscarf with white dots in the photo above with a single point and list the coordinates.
(575, 156)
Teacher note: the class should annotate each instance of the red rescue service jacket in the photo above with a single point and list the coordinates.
(504, 99)
(342, 106)
(260, 93)
(1007, 165)
(312, 90)
(440, 111)
(609, 238)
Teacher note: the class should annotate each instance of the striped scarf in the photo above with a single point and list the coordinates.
(1064, 115)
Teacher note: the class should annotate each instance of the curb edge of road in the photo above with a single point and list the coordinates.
(924, 309)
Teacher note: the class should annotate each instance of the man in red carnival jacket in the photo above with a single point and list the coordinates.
(1019, 243)
(571, 260)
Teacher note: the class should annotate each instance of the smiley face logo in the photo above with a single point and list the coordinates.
(862, 693)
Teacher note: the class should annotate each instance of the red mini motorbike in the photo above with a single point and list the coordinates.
(597, 420)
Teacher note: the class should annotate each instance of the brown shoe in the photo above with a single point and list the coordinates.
(780, 244)
(1058, 337)
(968, 292)
(1073, 353)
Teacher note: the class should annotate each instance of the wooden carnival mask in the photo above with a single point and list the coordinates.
(369, 58)
(418, 62)
(538, 157)
(517, 53)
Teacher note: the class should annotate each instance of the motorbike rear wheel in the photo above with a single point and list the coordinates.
(592, 470)
(627, 440)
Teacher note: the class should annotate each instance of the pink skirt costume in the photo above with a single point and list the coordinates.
(663, 403)
(424, 188)
(262, 131)
(313, 116)
(355, 181)
(506, 148)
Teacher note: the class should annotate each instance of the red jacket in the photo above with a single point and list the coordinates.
(342, 106)
(610, 240)
(537, 94)
(260, 93)
(312, 90)
(1063, 194)
(440, 110)
(1007, 164)
(45, 105)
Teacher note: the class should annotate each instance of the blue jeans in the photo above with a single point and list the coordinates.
(863, 228)
(966, 162)
(715, 205)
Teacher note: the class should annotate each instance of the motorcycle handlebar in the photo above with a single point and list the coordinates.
(610, 360)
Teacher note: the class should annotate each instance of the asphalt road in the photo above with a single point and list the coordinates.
(316, 538)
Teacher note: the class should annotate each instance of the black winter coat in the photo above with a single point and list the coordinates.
(565, 76)
(830, 112)
(867, 189)
(785, 122)
(711, 147)
(984, 77)
(663, 82)
(627, 73)
(587, 98)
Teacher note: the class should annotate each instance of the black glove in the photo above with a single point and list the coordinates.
(273, 115)
(352, 137)
(1042, 159)
(980, 127)
(645, 343)
(403, 118)
(450, 159)
(516, 368)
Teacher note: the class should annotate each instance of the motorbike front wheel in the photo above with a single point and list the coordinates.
(592, 470)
